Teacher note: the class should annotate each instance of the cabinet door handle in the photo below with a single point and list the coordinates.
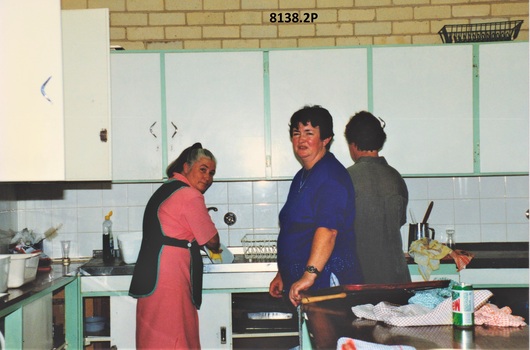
(223, 335)
(151, 130)
(176, 129)
(43, 89)
(103, 135)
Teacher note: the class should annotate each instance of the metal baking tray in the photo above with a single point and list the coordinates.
(270, 315)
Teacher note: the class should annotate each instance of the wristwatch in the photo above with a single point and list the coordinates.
(312, 269)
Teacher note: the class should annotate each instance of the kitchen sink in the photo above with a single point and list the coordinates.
(97, 267)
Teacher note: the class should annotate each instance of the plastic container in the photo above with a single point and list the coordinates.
(129, 244)
(22, 269)
(4, 271)
(95, 324)
(108, 239)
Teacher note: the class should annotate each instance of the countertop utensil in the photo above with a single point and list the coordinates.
(427, 213)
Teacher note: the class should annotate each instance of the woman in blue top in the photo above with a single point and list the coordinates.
(316, 244)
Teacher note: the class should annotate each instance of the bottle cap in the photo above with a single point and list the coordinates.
(107, 217)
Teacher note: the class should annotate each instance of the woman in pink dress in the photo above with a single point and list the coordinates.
(167, 278)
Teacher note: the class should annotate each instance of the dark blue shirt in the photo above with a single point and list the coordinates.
(322, 197)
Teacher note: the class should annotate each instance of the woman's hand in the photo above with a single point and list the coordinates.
(276, 286)
(214, 244)
(302, 284)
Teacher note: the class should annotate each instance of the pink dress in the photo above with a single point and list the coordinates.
(167, 319)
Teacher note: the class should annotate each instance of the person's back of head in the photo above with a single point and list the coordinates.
(365, 131)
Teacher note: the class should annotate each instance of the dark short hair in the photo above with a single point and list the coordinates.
(366, 131)
(317, 116)
(190, 155)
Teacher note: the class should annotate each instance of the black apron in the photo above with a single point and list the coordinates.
(145, 275)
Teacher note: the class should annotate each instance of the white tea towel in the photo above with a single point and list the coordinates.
(356, 344)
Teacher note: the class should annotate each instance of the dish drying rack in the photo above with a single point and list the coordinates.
(260, 247)
(480, 32)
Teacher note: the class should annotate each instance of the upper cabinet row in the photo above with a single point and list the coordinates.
(448, 109)
(55, 100)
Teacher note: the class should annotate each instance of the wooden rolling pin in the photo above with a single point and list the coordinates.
(307, 300)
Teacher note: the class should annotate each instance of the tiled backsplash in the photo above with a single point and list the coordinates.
(480, 209)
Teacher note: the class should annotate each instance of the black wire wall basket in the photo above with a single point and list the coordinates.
(480, 32)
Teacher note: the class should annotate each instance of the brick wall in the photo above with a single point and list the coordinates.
(228, 24)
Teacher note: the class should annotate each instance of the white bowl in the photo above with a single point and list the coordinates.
(129, 244)
(5, 260)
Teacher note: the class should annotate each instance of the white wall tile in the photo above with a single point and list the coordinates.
(466, 187)
(90, 197)
(68, 200)
(493, 211)
(517, 233)
(239, 192)
(116, 196)
(89, 220)
(467, 211)
(139, 194)
(217, 194)
(244, 216)
(265, 216)
(517, 186)
(283, 191)
(441, 188)
(119, 218)
(218, 216)
(442, 213)
(493, 232)
(418, 188)
(492, 187)
(264, 192)
(136, 217)
(467, 233)
(515, 210)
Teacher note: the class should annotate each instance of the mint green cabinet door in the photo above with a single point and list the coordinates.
(336, 79)
(425, 96)
(136, 117)
(217, 98)
(503, 82)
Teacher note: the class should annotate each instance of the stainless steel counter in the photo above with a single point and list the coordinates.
(57, 277)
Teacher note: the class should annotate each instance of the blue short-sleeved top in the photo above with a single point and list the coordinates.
(324, 198)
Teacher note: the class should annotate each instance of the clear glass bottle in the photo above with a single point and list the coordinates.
(450, 242)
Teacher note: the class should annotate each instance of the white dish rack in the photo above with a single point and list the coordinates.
(260, 247)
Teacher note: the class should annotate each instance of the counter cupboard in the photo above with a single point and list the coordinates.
(55, 105)
(428, 96)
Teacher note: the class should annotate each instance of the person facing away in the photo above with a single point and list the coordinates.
(316, 243)
(381, 199)
(167, 278)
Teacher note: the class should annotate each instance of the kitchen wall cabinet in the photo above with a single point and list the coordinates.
(217, 98)
(86, 66)
(136, 117)
(503, 106)
(335, 79)
(440, 104)
(425, 96)
(31, 81)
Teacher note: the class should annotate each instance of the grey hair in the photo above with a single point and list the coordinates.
(198, 153)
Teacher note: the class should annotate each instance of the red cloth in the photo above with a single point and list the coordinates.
(461, 258)
(167, 319)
